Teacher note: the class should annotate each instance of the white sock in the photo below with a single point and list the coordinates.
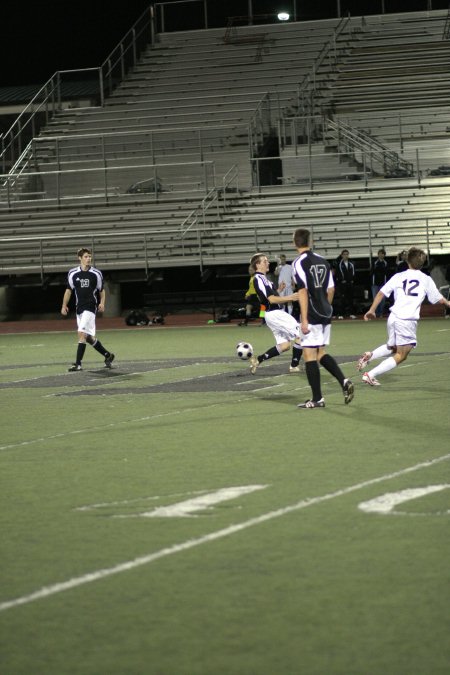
(383, 367)
(381, 352)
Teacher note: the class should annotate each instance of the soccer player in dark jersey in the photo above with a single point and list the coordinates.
(315, 284)
(284, 327)
(86, 282)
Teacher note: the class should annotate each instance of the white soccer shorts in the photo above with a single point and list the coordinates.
(401, 331)
(283, 326)
(318, 335)
(86, 323)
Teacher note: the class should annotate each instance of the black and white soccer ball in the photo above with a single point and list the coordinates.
(244, 350)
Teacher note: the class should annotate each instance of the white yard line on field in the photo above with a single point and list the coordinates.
(60, 587)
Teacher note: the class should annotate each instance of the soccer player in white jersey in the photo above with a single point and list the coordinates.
(86, 282)
(410, 289)
(312, 274)
(284, 327)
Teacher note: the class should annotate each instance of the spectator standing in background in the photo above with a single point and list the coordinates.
(401, 262)
(345, 279)
(378, 277)
(283, 272)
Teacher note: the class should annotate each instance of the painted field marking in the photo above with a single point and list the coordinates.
(60, 587)
(385, 503)
(135, 500)
(189, 507)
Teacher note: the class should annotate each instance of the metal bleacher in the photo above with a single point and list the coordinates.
(167, 172)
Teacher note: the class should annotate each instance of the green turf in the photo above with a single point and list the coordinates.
(309, 584)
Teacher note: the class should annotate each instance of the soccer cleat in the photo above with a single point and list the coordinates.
(74, 367)
(352, 316)
(294, 369)
(364, 360)
(109, 359)
(312, 404)
(368, 379)
(349, 391)
(254, 363)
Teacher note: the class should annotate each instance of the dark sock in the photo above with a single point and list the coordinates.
(80, 352)
(328, 362)
(296, 355)
(269, 354)
(313, 375)
(100, 348)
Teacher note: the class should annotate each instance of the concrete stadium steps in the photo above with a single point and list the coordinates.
(392, 62)
(54, 221)
(237, 115)
(280, 47)
(401, 123)
(144, 143)
(226, 82)
(394, 217)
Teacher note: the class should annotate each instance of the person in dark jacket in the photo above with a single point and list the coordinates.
(345, 279)
(378, 277)
(401, 263)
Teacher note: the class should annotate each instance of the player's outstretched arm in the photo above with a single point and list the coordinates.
(370, 314)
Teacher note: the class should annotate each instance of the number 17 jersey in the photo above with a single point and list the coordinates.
(311, 271)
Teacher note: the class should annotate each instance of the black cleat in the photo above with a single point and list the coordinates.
(109, 359)
(74, 368)
(312, 404)
(348, 390)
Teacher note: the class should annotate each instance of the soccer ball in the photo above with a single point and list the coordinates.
(244, 350)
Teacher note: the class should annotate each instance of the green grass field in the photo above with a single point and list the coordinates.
(125, 550)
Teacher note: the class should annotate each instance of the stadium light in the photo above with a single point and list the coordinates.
(283, 16)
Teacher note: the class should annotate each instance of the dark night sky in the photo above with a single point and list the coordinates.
(44, 36)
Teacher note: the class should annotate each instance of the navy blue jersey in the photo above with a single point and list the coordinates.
(313, 272)
(86, 286)
(379, 272)
(264, 287)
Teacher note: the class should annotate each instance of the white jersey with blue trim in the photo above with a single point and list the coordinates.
(410, 288)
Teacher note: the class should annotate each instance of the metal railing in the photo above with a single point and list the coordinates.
(358, 144)
(155, 248)
(60, 186)
(196, 220)
(306, 93)
(311, 168)
(49, 98)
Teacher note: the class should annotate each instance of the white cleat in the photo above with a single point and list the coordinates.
(370, 380)
(364, 360)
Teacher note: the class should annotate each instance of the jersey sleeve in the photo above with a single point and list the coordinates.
(299, 274)
(260, 289)
(389, 286)
(433, 294)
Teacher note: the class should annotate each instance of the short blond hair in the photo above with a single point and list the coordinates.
(416, 258)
